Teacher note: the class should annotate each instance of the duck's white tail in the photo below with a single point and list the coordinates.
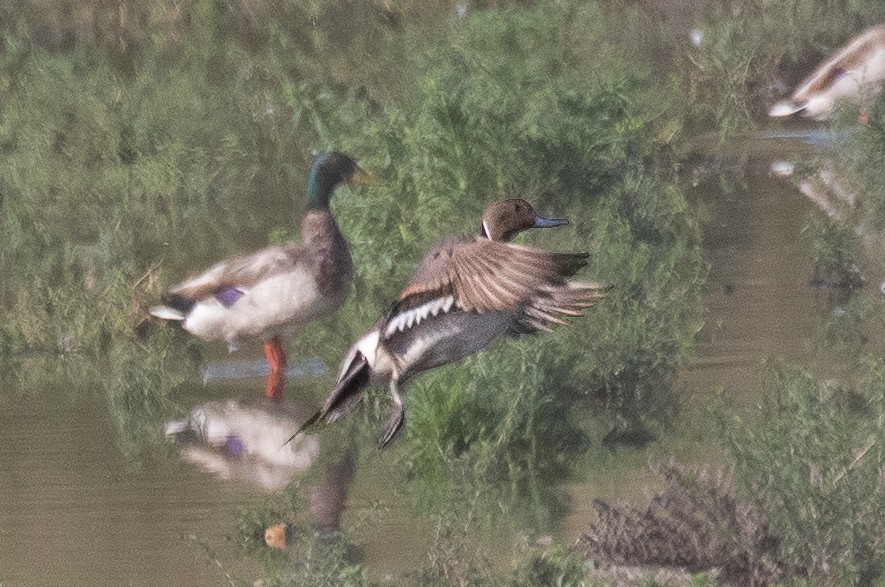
(786, 108)
(167, 313)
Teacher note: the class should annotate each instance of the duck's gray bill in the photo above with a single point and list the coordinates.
(544, 222)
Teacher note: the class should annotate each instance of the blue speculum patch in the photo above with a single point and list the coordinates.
(228, 296)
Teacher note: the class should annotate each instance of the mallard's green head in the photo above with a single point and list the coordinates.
(327, 171)
(505, 219)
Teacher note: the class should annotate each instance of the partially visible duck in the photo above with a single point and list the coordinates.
(279, 289)
(855, 71)
(466, 292)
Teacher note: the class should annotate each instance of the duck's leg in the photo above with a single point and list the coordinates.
(276, 360)
(397, 416)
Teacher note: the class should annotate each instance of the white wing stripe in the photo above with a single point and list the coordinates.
(413, 317)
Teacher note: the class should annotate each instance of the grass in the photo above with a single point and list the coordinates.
(753, 48)
(810, 461)
(154, 140)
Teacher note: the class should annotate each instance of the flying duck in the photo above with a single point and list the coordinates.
(277, 290)
(466, 292)
(857, 70)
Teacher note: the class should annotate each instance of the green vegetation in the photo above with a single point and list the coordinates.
(835, 249)
(498, 113)
(142, 142)
(811, 461)
(161, 139)
(859, 152)
(322, 558)
(810, 457)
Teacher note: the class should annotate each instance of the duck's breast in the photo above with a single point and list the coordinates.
(329, 254)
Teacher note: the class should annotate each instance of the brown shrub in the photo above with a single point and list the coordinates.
(696, 524)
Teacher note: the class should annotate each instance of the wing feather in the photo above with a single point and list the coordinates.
(485, 276)
(241, 272)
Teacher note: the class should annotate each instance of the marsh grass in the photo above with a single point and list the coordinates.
(845, 248)
(311, 556)
(809, 457)
(859, 150)
(810, 460)
(555, 566)
(578, 141)
(514, 102)
(835, 252)
(203, 145)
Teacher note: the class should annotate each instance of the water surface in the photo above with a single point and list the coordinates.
(73, 511)
(761, 305)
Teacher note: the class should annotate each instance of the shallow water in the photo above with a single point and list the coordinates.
(761, 303)
(760, 306)
(231, 370)
(73, 511)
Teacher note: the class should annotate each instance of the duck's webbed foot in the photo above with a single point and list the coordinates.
(276, 360)
(397, 417)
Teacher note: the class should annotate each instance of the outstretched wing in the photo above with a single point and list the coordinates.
(553, 302)
(476, 274)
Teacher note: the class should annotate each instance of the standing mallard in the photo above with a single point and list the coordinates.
(857, 70)
(466, 292)
(277, 290)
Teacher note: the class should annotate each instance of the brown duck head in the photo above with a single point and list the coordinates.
(503, 220)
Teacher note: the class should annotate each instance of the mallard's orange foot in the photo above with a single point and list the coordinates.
(276, 360)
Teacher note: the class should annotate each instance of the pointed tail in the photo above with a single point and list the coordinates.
(786, 108)
(353, 381)
(167, 313)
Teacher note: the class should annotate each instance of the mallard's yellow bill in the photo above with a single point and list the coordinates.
(362, 177)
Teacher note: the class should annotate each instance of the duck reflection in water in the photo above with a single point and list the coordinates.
(243, 440)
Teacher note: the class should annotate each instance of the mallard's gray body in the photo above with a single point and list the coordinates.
(277, 290)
